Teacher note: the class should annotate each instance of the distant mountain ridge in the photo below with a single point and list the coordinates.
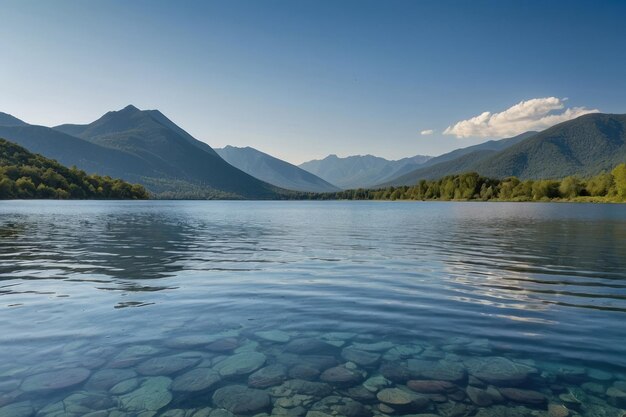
(455, 162)
(584, 146)
(360, 171)
(8, 120)
(273, 170)
(144, 147)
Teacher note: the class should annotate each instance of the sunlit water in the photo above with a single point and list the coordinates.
(189, 309)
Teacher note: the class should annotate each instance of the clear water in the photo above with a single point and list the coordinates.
(106, 308)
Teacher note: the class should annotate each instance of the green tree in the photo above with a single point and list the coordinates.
(570, 187)
(7, 188)
(600, 185)
(619, 178)
(25, 187)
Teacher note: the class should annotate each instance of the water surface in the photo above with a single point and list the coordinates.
(97, 290)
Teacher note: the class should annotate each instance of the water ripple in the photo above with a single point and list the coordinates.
(512, 273)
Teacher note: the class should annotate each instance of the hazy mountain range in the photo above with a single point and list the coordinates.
(361, 171)
(146, 147)
(273, 170)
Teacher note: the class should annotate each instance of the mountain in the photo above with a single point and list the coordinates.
(490, 145)
(360, 171)
(456, 162)
(583, 146)
(144, 147)
(8, 120)
(27, 175)
(273, 170)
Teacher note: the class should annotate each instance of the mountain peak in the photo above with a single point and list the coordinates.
(130, 109)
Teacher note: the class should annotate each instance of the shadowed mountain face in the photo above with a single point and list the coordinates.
(583, 146)
(360, 171)
(69, 150)
(144, 147)
(273, 170)
(456, 162)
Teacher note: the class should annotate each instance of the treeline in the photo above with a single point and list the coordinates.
(27, 175)
(471, 186)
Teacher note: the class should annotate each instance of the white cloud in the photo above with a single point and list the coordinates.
(427, 132)
(534, 114)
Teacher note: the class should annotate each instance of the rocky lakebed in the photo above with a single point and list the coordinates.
(243, 372)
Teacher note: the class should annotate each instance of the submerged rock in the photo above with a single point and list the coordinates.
(310, 346)
(226, 344)
(599, 375)
(105, 379)
(197, 379)
(479, 396)
(268, 376)
(524, 396)
(55, 380)
(239, 399)
(572, 374)
(498, 371)
(166, 365)
(189, 341)
(557, 410)
(152, 395)
(504, 411)
(339, 406)
(341, 375)
(83, 403)
(360, 357)
(133, 355)
(21, 409)
(431, 386)
(452, 409)
(616, 396)
(361, 394)
(570, 400)
(441, 370)
(373, 347)
(124, 386)
(274, 336)
(376, 383)
(400, 352)
(300, 386)
(399, 399)
(240, 364)
(304, 372)
(395, 371)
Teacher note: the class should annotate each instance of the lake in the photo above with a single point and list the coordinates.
(200, 308)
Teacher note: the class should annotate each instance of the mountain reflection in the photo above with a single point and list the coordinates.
(122, 250)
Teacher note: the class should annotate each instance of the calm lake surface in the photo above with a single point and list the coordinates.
(191, 309)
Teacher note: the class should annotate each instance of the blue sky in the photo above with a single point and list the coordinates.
(303, 79)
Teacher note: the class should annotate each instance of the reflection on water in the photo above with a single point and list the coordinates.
(325, 308)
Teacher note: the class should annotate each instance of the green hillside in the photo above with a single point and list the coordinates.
(27, 175)
(456, 162)
(584, 146)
